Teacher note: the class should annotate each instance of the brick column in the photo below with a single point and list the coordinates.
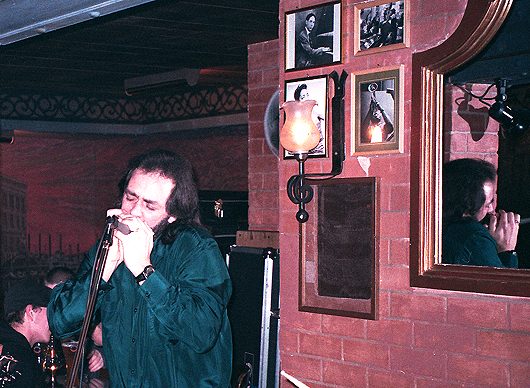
(263, 75)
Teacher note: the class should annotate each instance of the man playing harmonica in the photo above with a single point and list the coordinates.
(165, 286)
(469, 196)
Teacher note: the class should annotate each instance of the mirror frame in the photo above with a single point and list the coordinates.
(479, 24)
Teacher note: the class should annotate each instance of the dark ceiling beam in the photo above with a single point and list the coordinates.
(162, 36)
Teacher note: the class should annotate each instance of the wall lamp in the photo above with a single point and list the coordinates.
(514, 123)
(299, 135)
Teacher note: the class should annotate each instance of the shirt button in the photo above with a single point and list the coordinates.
(135, 310)
(134, 340)
(133, 372)
(147, 294)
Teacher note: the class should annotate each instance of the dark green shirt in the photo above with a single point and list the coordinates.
(173, 330)
(470, 243)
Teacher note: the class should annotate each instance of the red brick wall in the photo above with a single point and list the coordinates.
(468, 131)
(423, 337)
(263, 77)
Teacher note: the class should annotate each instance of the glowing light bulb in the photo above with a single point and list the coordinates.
(377, 134)
(299, 134)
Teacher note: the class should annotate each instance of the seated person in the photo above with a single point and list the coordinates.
(25, 324)
(58, 275)
(469, 196)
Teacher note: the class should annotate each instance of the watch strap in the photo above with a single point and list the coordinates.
(148, 270)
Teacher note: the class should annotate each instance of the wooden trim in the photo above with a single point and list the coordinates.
(350, 237)
(258, 239)
(480, 22)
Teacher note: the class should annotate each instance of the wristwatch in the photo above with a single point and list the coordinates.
(148, 270)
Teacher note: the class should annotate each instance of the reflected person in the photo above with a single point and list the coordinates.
(472, 232)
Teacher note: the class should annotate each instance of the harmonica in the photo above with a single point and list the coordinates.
(486, 220)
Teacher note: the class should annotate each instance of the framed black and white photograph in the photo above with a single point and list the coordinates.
(313, 36)
(315, 88)
(381, 25)
(378, 112)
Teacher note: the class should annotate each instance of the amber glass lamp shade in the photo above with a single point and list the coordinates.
(299, 134)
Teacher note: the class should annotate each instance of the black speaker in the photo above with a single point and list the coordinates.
(254, 283)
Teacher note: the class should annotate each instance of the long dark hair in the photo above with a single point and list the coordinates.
(183, 201)
(463, 188)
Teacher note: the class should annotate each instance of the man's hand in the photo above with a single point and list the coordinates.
(321, 50)
(504, 229)
(114, 254)
(133, 248)
(96, 383)
(95, 361)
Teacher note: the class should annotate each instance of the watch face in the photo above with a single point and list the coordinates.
(145, 273)
(148, 271)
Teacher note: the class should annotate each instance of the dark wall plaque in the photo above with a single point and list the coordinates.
(339, 244)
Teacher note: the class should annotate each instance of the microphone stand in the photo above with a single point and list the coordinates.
(95, 280)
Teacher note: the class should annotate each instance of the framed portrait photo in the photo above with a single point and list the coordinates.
(377, 126)
(315, 88)
(381, 25)
(313, 36)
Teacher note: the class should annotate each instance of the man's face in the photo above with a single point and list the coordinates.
(490, 203)
(41, 330)
(310, 23)
(146, 196)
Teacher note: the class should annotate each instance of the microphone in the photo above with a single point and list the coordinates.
(486, 220)
(117, 225)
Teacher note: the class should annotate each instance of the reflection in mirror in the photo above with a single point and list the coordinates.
(479, 24)
(472, 232)
(487, 117)
(470, 133)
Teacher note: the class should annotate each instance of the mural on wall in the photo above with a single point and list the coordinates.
(56, 188)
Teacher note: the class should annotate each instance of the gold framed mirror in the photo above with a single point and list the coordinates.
(480, 22)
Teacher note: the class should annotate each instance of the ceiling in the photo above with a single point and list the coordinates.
(95, 57)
